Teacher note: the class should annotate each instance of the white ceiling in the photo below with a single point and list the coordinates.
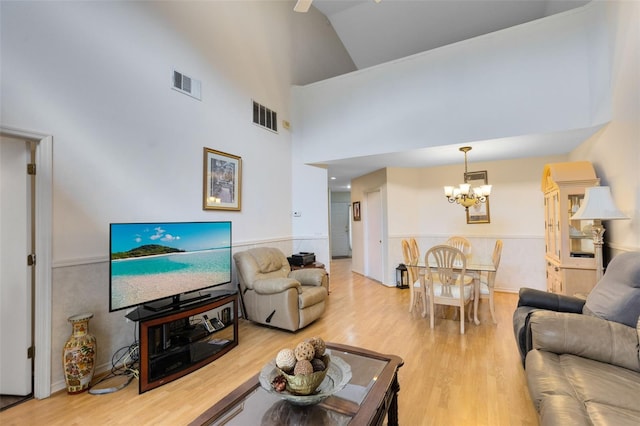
(374, 33)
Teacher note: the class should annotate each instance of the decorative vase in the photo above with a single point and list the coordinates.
(79, 354)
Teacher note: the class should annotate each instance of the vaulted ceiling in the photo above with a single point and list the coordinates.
(377, 32)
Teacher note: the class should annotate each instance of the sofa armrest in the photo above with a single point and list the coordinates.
(586, 336)
(309, 276)
(275, 285)
(554, 302)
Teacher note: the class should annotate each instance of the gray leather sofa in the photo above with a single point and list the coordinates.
(582, 358)
(274, 295)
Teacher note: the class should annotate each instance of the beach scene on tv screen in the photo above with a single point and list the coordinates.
(154, 261)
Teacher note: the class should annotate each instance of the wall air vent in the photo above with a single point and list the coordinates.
(264, 117)
(187, 85)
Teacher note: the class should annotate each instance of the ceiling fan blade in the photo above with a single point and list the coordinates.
(302, 6)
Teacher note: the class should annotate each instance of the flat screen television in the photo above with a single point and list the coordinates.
(165, 265)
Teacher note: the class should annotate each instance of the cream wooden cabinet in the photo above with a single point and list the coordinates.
(570, 255)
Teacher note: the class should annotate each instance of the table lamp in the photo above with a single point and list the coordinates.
(598, 205)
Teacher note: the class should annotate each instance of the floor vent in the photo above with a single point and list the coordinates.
(264, 117)
(187, 85)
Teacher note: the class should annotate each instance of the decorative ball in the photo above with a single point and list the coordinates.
(304, 351)
(318, 364)
(318, 346)
(279, 383)
(303, 367)
(286, 360)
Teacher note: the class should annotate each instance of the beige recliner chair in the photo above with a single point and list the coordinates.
(274, 295)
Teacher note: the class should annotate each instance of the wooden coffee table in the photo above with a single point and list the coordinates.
(370, 396)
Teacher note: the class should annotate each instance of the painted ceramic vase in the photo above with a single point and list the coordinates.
(79, 355)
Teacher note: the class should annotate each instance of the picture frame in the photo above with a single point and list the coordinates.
(356, 211)
(478, 213)
(222, 181)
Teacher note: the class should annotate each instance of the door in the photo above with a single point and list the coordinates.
(15, 275)
(340, 230)
(372, 215)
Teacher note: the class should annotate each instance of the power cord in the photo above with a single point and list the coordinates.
(124, 367)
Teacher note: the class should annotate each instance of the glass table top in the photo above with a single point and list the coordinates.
(259, 407)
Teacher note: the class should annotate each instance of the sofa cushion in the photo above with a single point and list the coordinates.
(309, 276)
(585, 336)
(602, 389)
(311, 295)
(268, 259)
(275, 285)
(562, 410)
(546, 377)
(616, 296)
(602, 414)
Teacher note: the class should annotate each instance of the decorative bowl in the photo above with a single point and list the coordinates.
(308, 383)
(337, 375)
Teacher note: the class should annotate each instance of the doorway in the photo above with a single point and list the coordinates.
(16, 274)
(34, 241)
(340, 225)
(373, 244)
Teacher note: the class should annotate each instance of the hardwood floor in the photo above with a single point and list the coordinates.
(447, 379)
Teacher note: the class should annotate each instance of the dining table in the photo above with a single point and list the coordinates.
(476, 264)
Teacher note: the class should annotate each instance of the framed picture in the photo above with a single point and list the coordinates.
(478, 213)
(356, 210)
(222, 181)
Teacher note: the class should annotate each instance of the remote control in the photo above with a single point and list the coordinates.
(207, 324)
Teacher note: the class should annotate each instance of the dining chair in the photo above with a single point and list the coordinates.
(447, 282)
(461, 243)
(415, 250)
(411, 258)
(487, 283)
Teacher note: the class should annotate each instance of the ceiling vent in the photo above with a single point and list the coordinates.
(187, 85)
(265, 117)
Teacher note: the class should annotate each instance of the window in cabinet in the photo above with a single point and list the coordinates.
(580, 237)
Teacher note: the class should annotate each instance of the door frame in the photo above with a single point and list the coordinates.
(381, 245)
(43, 246)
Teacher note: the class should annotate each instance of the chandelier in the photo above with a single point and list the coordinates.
(464, 194)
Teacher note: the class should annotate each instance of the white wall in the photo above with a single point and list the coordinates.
(97, 76)
(359, 188)
(416, 207)
(567, 72)
(615, 150)
(127, 147)
(315, 61)
(541, 77)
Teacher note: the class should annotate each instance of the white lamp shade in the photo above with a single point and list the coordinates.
(598, 204)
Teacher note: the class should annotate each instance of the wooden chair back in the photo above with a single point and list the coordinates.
(415, 250)
(461, 243)
(446, 277)
(410, 261)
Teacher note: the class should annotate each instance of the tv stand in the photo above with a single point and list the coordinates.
(175, 343)
(174, 302)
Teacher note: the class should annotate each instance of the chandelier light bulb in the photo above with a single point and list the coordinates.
(463, 194)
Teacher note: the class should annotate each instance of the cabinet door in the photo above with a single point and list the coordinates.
(552, 233)
(580, 236)
(554, 279)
